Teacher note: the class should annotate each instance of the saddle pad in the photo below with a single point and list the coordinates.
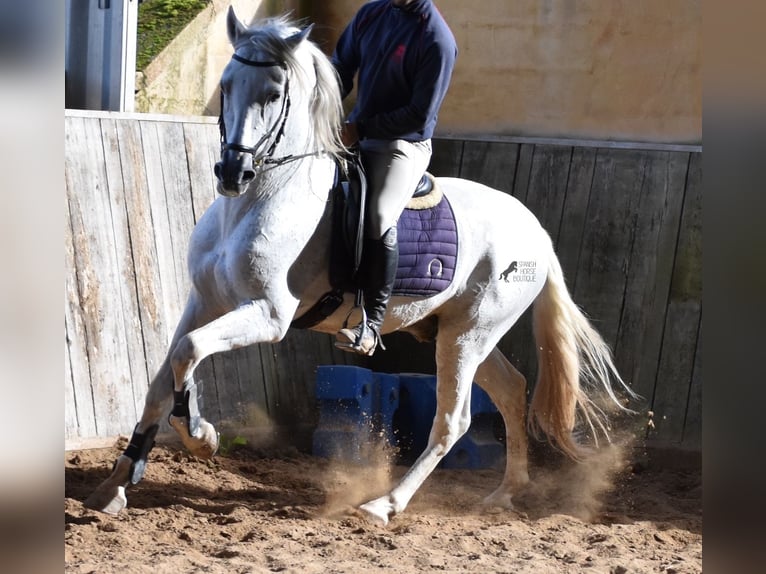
(427, 250)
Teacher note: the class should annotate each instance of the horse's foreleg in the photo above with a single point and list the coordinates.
(453, 417)
(246, 325)
(507, 387)
(129, 468)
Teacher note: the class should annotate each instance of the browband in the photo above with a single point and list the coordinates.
(257, 64)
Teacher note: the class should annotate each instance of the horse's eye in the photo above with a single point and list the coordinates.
(273, 97)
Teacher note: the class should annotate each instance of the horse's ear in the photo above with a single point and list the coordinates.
(298, 37)
(234, 28)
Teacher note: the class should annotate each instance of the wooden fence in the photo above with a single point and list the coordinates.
(135, 186)
(626, 221)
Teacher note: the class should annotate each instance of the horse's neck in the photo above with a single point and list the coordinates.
(297, 191)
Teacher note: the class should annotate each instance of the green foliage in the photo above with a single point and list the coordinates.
(227, 445)
(159, 21)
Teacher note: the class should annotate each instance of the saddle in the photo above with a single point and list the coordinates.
(427, 242)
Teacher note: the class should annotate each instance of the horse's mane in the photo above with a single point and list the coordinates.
(326, 111)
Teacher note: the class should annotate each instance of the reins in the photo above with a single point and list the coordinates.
(267, 158)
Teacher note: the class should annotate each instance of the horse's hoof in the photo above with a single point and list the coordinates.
(498, 500)
(204, 444)
(378, 511)
(107, 500)
(109, 496)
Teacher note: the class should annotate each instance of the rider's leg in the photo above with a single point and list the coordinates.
(393, 170)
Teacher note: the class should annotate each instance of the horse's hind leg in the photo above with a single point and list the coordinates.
(507, 388)
(128, 469)
(456, 360)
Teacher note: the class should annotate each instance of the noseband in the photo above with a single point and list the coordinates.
(281, 120)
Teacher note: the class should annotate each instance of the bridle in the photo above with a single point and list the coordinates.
(266, 159)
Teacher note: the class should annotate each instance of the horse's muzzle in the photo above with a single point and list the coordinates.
(234, 173)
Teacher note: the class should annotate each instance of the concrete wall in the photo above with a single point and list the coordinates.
(183, 79)
(604, 69)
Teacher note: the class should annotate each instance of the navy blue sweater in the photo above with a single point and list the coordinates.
(405, 58)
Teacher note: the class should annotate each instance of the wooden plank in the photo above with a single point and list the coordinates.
(692, 436)
(293, 375)
(171, 300)
(126, 297)
(610, 225)
(175, 175)
(227, 387)
(76, 344)
(118, 318)
(71, 427)
(546, 192)
(493, 164)
(201, 142)
(98, 281)
(270, 371)
(570, 236)
(522, 172)
(155, 330)
(649, 271)
(676, 362)
(252, 388)
(674, 374)
(446, 158)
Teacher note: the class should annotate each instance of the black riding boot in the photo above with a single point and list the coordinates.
(380, 258)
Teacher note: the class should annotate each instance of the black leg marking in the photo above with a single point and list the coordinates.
(185, 405)
(138, 451)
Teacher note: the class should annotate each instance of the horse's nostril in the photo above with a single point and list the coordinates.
(248, 175)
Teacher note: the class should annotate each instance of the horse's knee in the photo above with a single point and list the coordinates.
(183, 357)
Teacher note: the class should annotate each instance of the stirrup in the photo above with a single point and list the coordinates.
(365, 339)
(354, 339)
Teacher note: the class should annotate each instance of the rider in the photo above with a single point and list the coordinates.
(404, 54)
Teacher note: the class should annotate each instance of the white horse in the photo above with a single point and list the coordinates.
(258, 259)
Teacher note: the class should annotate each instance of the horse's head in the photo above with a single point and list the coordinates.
(278, 91)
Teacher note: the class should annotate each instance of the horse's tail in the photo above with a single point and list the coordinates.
(568, 349)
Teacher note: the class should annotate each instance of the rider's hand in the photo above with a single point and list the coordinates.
(349, 135)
